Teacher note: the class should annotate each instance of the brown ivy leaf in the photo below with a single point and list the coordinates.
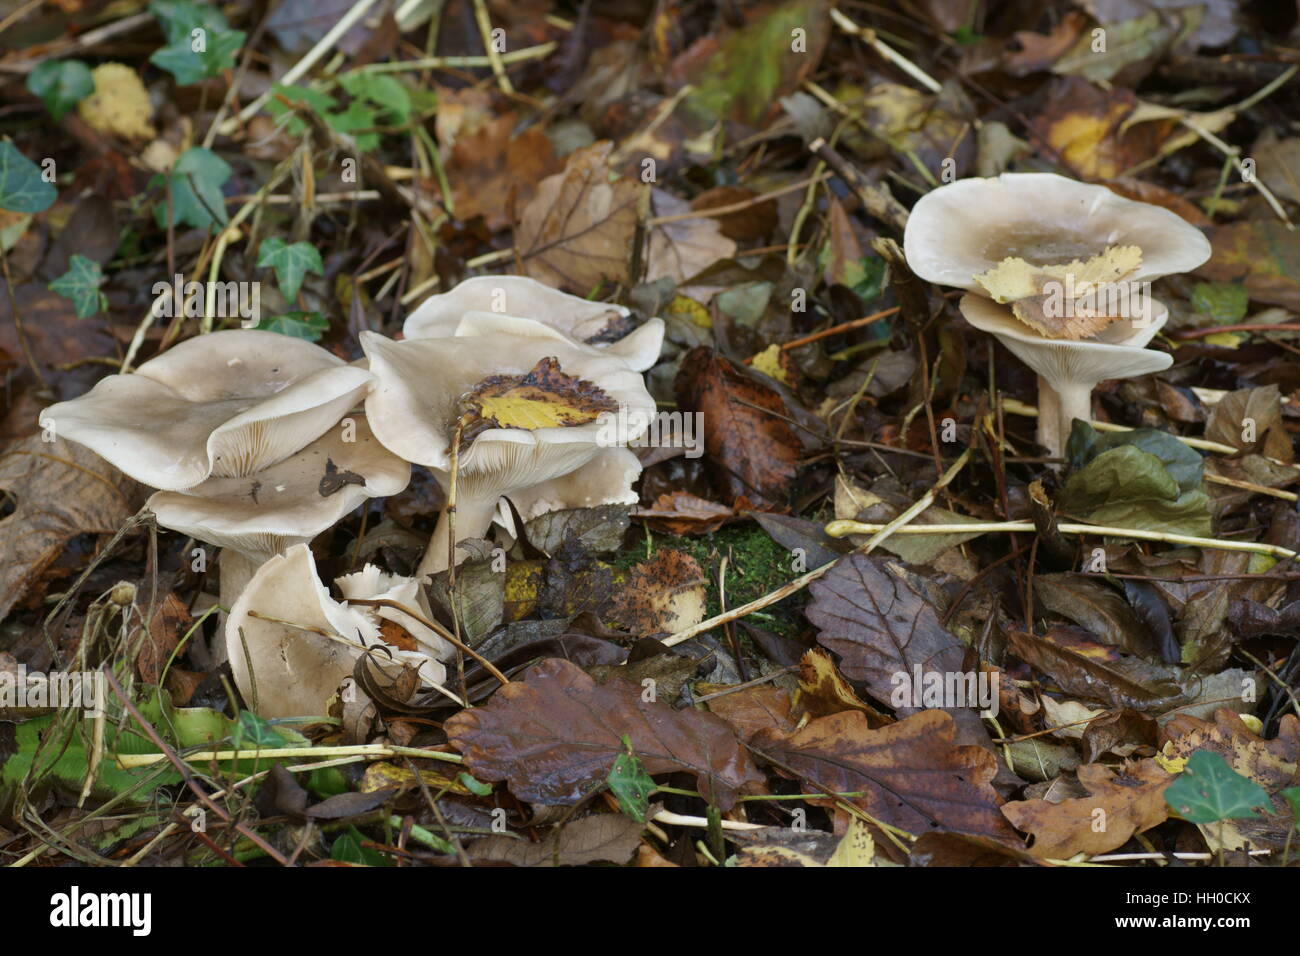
(577, 230)
(751, 450)
(1132, 799)
(555, 735)
(911, 774)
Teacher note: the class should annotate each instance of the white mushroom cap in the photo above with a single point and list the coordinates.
(414, 403)
(967, 227)
(281, 505)
(605, 480)
(226, 404)
(1064, 362)
(295, 670)
(439, 316)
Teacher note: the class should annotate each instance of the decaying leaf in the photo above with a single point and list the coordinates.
(59, 490)
(911, 774)
(554, 736)
(543, 398)
(577, 230)
(601, 837)
(662, 595)
(1120, 803)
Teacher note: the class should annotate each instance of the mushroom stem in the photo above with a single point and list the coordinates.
(1075, 400)
(1049, 418)
(235, 570)
(473, 518)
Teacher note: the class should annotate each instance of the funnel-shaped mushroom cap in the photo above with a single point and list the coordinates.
(1068, 364)
(605, 480)
(291, 501)
(225, 404)
(967, 227)
(415, 403)
(596, 323)
(290, 667)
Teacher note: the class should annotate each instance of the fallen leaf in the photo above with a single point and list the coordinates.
(601, 837)
(1120, 803)
(750, 451)
(681, 249)
(555, 735)
(911, 774)
(60, 490)
(577, 230)
(664, 594)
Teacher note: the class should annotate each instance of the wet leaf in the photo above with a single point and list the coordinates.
(545, 397)
(1208, 790)
(60, 85)
(22, 188)
(602, 837)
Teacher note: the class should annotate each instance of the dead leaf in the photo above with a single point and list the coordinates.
(577, 230)
(682, 249)
(662, 595)
(911, 774)
(601, 837)
(1120, 803)
(751, 451)
(681, 512)
(492, 171)
(60, 490)
(751, 709)
(824, 691)
(555, 735)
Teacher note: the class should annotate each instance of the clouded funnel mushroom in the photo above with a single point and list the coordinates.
(225, 404)
(291, 645)
(256, 516)
(607, 327)
(530, 403)
(1071, 368)
(1072, 260)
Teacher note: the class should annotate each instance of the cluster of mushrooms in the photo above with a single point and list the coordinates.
(258, 442)
(1057, 270)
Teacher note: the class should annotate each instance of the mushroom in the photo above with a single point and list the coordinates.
(583, 321)
(425, 386)
(970, 226)
(254, 517)
(226, 404)
(1048, 227)
(605, 480)
(1072, 368)
(291, 645)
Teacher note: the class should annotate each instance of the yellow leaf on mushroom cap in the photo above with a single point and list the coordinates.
(1014, 278)
(544, 398)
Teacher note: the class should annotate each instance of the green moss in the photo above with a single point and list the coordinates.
(756, 566)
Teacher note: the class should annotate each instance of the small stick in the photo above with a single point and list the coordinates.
(843, 528)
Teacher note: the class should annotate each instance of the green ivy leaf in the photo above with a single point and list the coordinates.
(60, 85)
(348, 849)
(1209, 790)
(81, 284)
(1224, 302)
(195, 181)
(358, 121)
(299, 325)
(290, 262)
(630, 783)
(179, 19)
(22, 188)
(315, 100)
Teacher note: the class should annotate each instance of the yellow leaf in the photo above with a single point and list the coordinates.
(1168, 762)
(768, 362)
(856, 849)
(522, 410)
(120, 104)
(1014, 278)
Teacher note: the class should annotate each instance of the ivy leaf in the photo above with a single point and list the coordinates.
(359, 122)
(315, 100)
(290, 262)
(348, 849)
(1292, 797)
(1224, 302)
(299, 325)
(60, 85)
(179, 20)
(630, 783)
(195, 181)
(1208, 790)
(22, 188)
(81, 284)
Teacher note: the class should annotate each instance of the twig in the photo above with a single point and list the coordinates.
(868, 36)
(843, 528)
(484, 22)
(130, 761)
